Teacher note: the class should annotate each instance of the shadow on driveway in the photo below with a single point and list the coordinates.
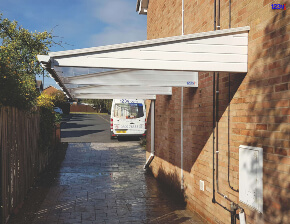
(74, 125)
(89, 128)
(74, 134)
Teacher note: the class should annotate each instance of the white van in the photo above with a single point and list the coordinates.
(128, 118)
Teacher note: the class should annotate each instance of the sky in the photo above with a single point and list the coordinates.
(79, 23)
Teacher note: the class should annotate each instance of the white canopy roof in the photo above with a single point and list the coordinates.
(130, 77)
(164, 62)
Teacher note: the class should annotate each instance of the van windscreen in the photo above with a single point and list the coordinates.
(128, 110)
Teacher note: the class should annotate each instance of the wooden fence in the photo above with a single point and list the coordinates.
(82, 108)
(21, 159)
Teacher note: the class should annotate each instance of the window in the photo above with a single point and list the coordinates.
(128, 110)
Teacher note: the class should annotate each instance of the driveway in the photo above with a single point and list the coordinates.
(96, 183)
(86, 128)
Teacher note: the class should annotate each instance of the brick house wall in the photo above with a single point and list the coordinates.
(258, 113)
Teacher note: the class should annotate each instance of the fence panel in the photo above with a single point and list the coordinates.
(21, 160)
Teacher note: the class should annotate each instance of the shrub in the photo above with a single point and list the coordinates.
(47, 118)
(18, 63)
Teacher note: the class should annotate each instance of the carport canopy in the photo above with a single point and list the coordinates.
(144, 69)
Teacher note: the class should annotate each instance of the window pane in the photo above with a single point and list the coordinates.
(128, 110)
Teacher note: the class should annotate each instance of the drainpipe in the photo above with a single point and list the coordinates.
(230, 11)
(217, 133)
(213, 137)
(217, 117)
(229, 151)
(217, 123)
(181, 145)
(181, 120)
(234, 206)
(217, 111)
(182, 28)
(151, 157)
(229, 109)
(213, 116)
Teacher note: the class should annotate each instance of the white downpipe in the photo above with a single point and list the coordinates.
(151, 157)
(182, 31)
(152, 127)
(181, 145)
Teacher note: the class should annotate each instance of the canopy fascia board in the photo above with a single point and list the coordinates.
(114, 96)
(166, 40)
(140, 90)
(137, 77)
(220, 50)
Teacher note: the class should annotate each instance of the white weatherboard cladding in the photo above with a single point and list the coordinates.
(138, 77)
(251, 176)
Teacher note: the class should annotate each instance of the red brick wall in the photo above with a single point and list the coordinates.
(259, 109)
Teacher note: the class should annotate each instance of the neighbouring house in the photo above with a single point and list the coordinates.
(50, 90)
(65, 106)
(248, 146)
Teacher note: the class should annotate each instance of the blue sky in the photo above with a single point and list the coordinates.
(79, 23)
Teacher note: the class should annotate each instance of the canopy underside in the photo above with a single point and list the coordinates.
(148, 68)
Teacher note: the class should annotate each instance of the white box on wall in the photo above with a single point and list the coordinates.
(201, 185)
(251, 176)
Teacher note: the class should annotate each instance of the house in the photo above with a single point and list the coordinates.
(50, 90)
(236, 148)
(217, 75)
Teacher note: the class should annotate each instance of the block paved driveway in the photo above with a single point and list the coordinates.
(101, 183)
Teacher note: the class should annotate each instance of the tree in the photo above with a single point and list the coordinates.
(59, 98)
(100, 104)
(19, 64)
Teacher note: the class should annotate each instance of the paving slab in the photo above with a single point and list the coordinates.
(101, 183)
